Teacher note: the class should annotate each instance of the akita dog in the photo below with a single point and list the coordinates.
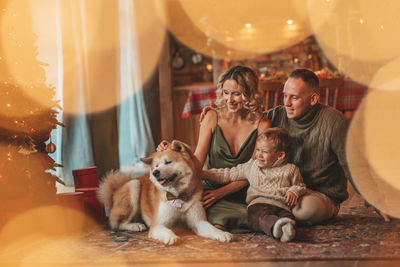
(171, 193)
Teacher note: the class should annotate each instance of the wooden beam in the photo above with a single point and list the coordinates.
(165, 84)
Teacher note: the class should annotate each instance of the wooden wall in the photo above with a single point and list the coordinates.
(277, 64)
(187, 129)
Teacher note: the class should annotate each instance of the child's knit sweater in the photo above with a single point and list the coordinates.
(267, 185)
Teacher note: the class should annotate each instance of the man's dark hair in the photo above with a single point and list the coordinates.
(307, 76)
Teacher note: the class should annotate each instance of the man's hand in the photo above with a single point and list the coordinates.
(291, 199)
(210, 197)
(162, 146)
(212, 106)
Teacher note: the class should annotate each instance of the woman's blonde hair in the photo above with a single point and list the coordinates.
(253, 97)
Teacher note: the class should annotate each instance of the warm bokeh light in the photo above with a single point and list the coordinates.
(184, 29)
(382, 108)
(151, 34)
(372, 147)
(94, 46)
(45, 234)
(225, 21)
(358, 36)
(19, 67)
(123, 49)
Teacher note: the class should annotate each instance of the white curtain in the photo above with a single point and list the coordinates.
(132, 110)
(98, 79)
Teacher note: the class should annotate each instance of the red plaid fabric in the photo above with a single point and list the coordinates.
(350, 95)
(197, 100)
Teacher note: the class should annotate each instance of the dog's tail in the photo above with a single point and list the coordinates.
(111, 183)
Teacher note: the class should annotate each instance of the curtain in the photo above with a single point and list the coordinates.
(99, 79)
(132, 109)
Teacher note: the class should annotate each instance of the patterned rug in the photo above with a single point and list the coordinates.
(356, 234)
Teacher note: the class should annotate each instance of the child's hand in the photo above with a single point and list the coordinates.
(291, 199)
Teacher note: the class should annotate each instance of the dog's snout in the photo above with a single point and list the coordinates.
(156, 173)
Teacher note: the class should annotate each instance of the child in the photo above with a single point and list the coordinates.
(275, 185)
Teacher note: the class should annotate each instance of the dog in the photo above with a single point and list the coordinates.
(170, 194)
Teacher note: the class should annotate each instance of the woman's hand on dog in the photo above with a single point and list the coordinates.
(210, 197)
(162, 146)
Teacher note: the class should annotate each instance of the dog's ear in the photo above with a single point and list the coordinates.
(178, 146)
(147, 160)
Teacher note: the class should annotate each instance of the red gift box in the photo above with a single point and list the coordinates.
(73, 200)
(87, 181)
(73, 207)
(92, 205)
(86, 178)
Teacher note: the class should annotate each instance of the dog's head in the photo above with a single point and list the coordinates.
(174, 169)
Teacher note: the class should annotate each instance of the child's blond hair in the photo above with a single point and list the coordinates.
(279, 137)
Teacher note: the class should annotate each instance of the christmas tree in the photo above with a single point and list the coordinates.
(27, 113)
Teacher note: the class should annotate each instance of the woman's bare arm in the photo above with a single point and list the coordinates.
(206, 129)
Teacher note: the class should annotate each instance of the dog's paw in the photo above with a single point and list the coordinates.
(166, 236)
(223, 236)
(134, 227)
(170, 240)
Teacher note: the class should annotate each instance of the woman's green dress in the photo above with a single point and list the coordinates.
(230, 211)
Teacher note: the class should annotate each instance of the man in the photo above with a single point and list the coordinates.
(318, 148)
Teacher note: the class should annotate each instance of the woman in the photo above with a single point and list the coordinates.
(227, 136)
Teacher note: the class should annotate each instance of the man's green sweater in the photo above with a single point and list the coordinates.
(318, 148)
